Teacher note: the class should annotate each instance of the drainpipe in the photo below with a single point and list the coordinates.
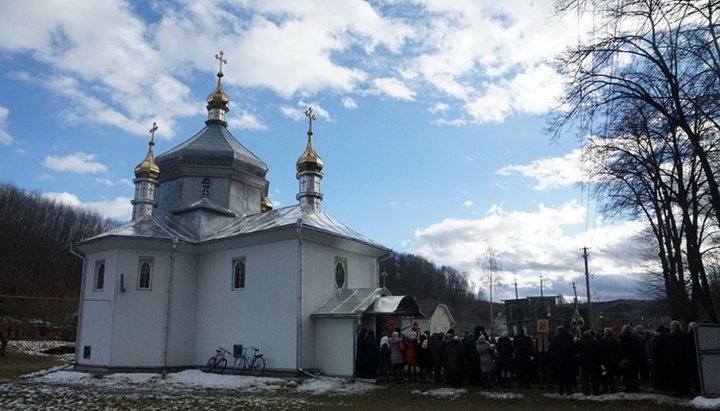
(83, 282)
(168, 307)
(299, 345)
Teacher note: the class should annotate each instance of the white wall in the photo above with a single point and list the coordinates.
(263, 314)
(96, 308)
(138, 337)
(335, 338)
(181, 348)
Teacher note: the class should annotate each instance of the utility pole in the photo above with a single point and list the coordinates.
(542, 297)
(587, 287)
(575, 293)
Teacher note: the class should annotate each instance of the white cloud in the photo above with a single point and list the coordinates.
(349, 103)
(298, 113)
(5, 137)
(468, 203)
(110, 183)
(119, 208)
(246, 121)
(394, 88)
(77, 162)
(439, 107)
(550, 172)
(530, 243)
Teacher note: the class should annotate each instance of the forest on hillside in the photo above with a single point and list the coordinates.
(39, 276)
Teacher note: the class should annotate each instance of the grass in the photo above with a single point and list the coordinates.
(14, 364)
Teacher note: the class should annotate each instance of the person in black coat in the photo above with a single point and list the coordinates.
(437, 355)
(505, 362)
(630, 359)
(589, 351)
(678, 358)
(360, 351)
(372, 355)
(562, 351)
(610, 360)
(454, 362)
(660, 359)
(524, 351)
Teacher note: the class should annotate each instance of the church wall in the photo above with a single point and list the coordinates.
(262, 314)
(335, 338)
(168, 197)
(96, 321)
(319, 285)
(244, 199)
(138, 338)
(181, 347)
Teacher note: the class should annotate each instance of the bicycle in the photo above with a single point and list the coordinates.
(217, 362)
(256, 363)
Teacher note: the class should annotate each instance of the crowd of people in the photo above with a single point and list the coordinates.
(600, 363)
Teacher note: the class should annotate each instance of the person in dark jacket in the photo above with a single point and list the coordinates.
(660, 359)
(524, 353)
(562, 351)
(472, 358)
(454, 362)
(360, 351)
(693, 370)
(505, 360)
(630, 359)
(610, 361)
(678, 355)
(437, 356)
(589, 351)
(385, 363)
(372, 355)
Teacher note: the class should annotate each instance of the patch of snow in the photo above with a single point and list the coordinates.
(707, 403)
(34, 347)
(443, 392)
(498, 395)
(338, 386)
(197, 378)
(625, 396)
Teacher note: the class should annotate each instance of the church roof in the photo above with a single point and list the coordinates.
(156, 228)
(349, 302)
(214, 146)
(289, 216)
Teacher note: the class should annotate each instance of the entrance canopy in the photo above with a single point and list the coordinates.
(355, 302)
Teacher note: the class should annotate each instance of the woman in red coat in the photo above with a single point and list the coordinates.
(411, 355)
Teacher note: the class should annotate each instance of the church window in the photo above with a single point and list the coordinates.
(340, 272)
(100, 275)
(238, 273)
(144, 274)
(205, 187)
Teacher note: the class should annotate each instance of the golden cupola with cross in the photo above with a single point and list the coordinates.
(309, 172)
(146, 182)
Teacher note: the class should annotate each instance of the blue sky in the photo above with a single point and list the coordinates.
(430, 118)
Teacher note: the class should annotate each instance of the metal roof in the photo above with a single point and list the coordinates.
(397, 305)
(349, 302)
(213, 146)
(154, 227)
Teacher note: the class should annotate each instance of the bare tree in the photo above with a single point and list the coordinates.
(490, 267)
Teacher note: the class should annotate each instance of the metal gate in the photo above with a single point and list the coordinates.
(707, 341)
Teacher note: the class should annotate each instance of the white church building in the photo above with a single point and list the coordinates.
(207, 262)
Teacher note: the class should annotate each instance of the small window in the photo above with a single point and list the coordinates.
(100, 275)
(145, 274)
(340, 272)
(86, 351)
(238, 273)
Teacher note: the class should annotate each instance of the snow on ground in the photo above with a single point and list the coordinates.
(443, 392)
(698, 402)
(707, 403)
(500, 395)
(35, 347)
(326, 385)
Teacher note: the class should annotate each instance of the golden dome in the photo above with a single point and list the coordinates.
(265, 204)
(218, 98)
(148, 168)
(309, 160)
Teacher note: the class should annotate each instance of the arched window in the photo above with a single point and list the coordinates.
(340, 272)
(238, 273)
(100, 275)
(144, 274)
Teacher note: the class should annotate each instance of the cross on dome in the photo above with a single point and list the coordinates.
(221, 60)
(311, 116)
(152, 133)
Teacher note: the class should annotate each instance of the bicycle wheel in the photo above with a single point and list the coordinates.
(239, 365)
(221, 365)
(258, 366)
(210, 365)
